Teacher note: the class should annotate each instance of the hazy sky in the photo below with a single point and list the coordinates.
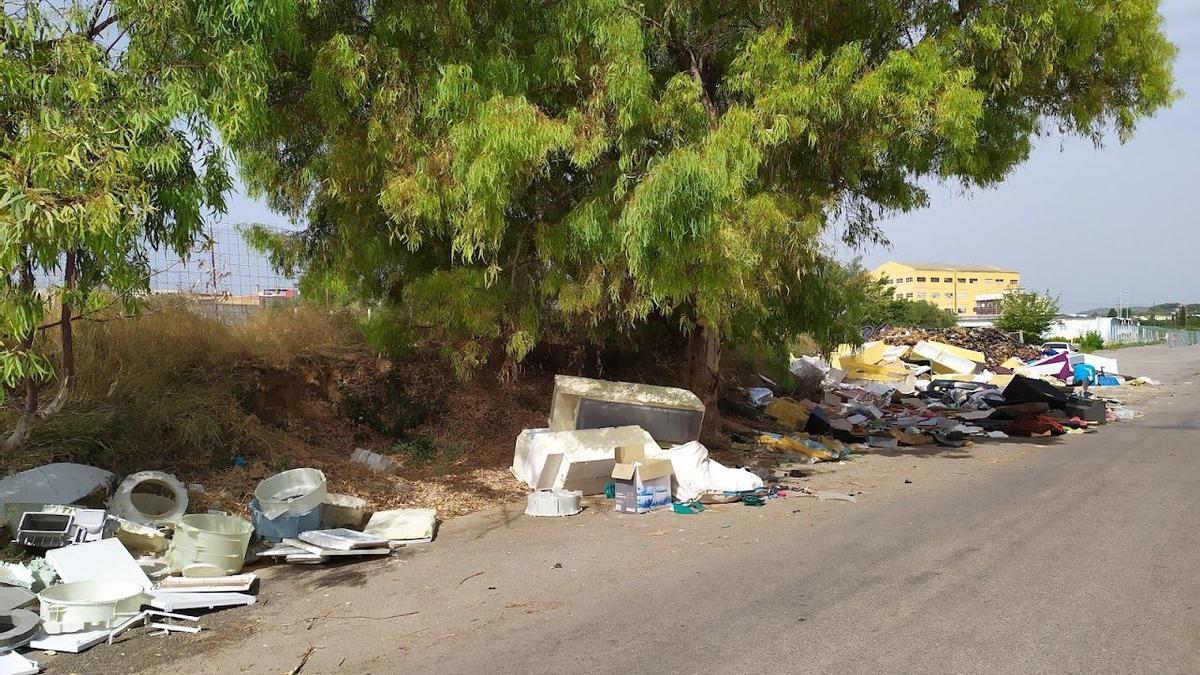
(1079, 221)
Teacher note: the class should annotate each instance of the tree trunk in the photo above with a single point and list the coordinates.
(29, 412)
(66, 332)
(704, 362)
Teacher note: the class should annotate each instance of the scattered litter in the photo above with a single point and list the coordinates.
(342, 510)
(72, 643)
(171, 602)
(15, 597)
(17, 628)
(219, 540)
(826, 495)
(101, 561)
(139, 498)
(403, 525)
(61, 483)
(88, 605)
(642, 484)
(295, 492)
(759, 396)
(342, 539)
(313, 549)
(236, 583)
(286, 525)
(554, 503)
(175, 628)
(373, 460)
(13, 663)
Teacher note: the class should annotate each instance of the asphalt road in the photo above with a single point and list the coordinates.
(1077, 556)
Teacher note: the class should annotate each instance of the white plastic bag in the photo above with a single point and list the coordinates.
(696, 474)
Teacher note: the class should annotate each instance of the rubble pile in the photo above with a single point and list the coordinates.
(996, 345)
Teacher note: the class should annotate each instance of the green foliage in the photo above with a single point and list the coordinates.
(1091, 341)
(497, 170)
(885, 308)
(1112, 312)
(108, 114)
(1029, 312)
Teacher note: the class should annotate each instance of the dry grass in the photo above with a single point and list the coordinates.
(177, 392)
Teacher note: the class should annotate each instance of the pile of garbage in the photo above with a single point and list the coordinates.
(143, 561)
(637, 444)
(995, 345)
(887, 396)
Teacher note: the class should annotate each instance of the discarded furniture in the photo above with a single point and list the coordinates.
(668, 414)
(572, 460)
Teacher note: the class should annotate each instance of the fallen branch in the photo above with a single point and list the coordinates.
(469, 577)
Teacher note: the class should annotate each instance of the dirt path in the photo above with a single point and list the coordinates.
(1077, 553)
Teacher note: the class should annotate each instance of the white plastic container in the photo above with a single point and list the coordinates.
(294, 492)
(210, 538)
(88, 605)
(554, 503)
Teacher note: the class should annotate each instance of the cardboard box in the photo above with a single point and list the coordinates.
(641, 484)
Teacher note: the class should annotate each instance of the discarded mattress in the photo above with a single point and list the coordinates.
(668, 414)
(573, 460)
(695, 475)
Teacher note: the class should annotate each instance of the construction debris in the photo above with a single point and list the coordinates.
(994, 344)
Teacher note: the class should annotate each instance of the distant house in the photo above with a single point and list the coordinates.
(965, 290)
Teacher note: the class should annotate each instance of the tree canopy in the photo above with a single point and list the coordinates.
(1028, 312)
(494, 168)
(107, 110)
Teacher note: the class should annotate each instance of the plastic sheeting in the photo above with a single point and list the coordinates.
(697, 475)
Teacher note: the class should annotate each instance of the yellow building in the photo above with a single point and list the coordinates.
(965, 290)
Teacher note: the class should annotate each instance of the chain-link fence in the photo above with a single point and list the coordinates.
(223, 278)
(1157, 334)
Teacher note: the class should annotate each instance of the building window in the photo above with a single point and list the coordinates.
(921, 279)
(962, 280)
(908, 295)
(1012, 282)
(908, 280)
(899, 296)
(961, 310)
(921, 295)
(949, 295)
(935, 295)
(972, 280)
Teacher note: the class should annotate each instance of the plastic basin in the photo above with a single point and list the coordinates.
(210, 538)
(88, 605)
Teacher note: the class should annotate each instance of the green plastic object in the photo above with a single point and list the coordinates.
(610, 490)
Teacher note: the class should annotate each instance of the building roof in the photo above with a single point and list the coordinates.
(945, 267)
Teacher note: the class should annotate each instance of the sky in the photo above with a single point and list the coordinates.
(1082, 222)
(1087, 224)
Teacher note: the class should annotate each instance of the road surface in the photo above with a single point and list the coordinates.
(1080, 555)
